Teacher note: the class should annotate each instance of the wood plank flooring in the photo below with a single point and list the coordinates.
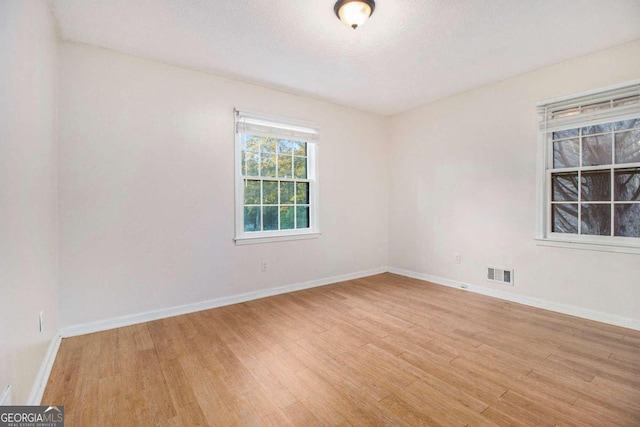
(383, 350)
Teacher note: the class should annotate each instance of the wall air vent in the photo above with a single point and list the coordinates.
(500, 275)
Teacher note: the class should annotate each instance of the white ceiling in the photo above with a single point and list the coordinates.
(409, 53)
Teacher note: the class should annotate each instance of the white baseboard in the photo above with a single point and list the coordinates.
(5, 397)
(35, 397)
(584, 313)
(133, 319)
(42, 378)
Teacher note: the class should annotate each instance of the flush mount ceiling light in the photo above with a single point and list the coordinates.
(354, 12)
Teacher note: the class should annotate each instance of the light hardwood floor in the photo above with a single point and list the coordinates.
(383, 350)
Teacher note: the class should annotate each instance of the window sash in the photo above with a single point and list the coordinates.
(612, 202)
(279, 204)
(549, 202)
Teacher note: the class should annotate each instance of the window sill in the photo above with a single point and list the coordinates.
(626, 249)
(272, 239)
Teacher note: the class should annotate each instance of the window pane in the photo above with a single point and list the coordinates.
(564, 218)
(596, 219)
(596, 185)
(627, 124)
(285, 146)
(299, 148)
(268, 165)
(569, 133)
(250, 163)
(249, 142)
(627, 182)
(270, 218)
(566, 153)
(627, 220)
(628, 146)
(284, 166)
(565, 186)
(300, 167)
(286, 192)
(596, 150)
(302, 216)
(252, 218)
(270, 192)
(286, 217)
(251, 192)
(302, 193)
(590, 130)
(268, 145)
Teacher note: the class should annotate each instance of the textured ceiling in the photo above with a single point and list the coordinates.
(409, 53)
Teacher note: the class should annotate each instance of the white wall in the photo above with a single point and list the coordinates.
(147, 188)
(463, 179)
(28, 197)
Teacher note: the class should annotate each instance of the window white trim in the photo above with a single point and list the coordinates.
(564, 243)
(282, 128)
(278, 238)
(549, 123)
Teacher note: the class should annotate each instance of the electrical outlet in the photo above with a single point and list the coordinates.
(264, 266)
(41, 321)
(456, 258)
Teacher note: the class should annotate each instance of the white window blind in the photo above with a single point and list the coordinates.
(594, 109)
(271, 126)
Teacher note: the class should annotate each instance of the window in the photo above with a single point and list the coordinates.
(589, 180)
(276, 185)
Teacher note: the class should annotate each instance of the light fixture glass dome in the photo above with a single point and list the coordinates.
(354, 12)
